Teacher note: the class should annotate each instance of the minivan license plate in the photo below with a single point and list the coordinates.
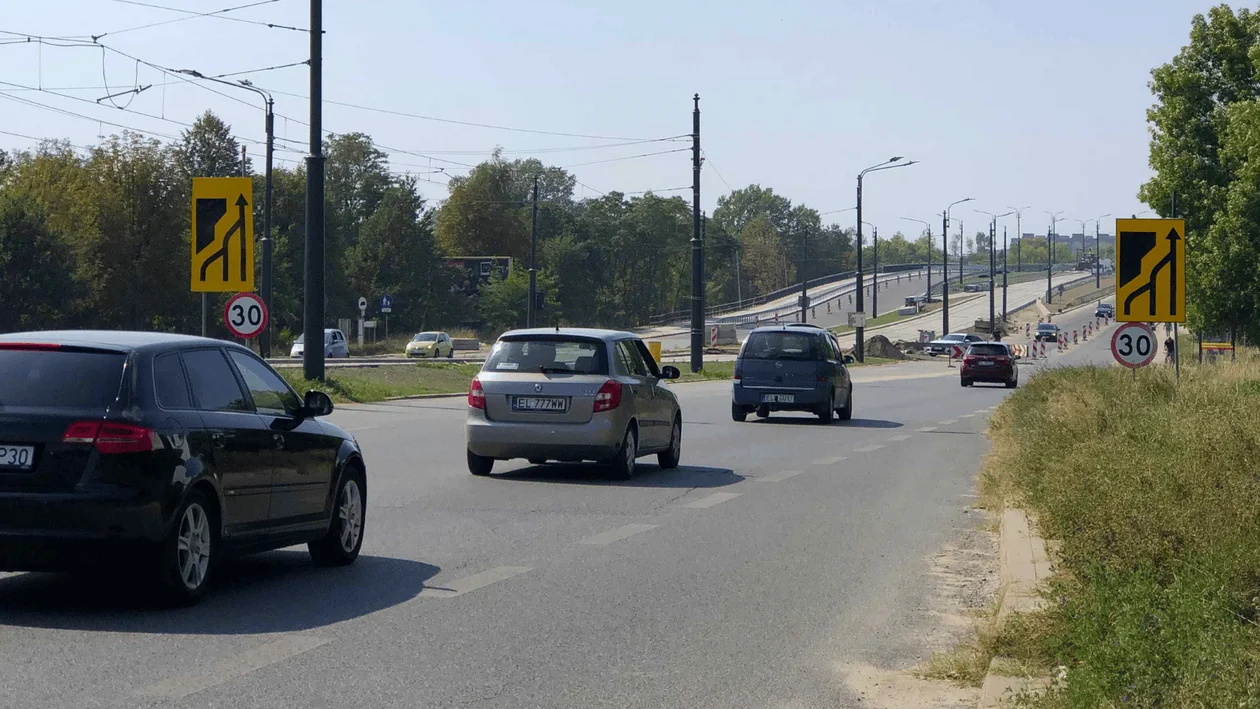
(539, 403)
(778, 398)
(16, 457)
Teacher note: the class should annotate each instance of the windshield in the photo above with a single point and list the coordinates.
(71, 380)
(425, 337)
(552, 355)
(783, 345)
(1047, 327)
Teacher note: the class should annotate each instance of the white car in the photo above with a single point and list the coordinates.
(946, 343)
(335, 344)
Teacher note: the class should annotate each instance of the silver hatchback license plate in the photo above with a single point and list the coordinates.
(540, 403)
(16, 457)
(778, 398)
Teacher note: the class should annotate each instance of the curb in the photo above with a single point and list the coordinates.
(1024, 563)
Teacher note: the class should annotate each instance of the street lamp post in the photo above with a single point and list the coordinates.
(927, 226)
(945, 265)
(1098, 252)
(1004, 272)
(1019, 228)
(875, 275)
(1054, 216)
(993, 267)
(962, 251)
(860, 347)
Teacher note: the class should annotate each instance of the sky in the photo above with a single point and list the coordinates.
(1013, 103)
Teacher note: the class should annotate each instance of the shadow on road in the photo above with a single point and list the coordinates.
(276, 592)
(645, 475)
(811, 420)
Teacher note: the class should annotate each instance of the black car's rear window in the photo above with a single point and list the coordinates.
(784, 345)
(985, 350)
(548, 354)
(60, 379)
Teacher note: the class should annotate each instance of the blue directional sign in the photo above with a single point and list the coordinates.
(387, 303)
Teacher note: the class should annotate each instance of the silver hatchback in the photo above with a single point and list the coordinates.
(572, 394)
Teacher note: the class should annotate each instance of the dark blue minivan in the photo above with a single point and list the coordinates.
(792, 368)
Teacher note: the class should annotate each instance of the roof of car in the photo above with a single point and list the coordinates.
(587, 332)
(121, 340)
(789, 327)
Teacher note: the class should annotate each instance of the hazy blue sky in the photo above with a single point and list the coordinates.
(1011, 102)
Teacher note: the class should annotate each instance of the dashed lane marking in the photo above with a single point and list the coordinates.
(236, 666)
(828, 461)
(868, 449)
(895, 439)
(468, 584)
(779, 476)
(716, 498)
(603, 539)
(947, 422)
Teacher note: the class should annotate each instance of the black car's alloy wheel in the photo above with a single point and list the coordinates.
(341, 545)
(189, 554)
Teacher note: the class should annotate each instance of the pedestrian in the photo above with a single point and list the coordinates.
(1169, 348)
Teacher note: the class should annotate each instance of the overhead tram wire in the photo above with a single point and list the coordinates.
(710, 164)
(626, 157)
(217, 15)
(192, 15)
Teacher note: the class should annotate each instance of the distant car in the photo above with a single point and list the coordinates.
(792, 369)
(431, 345)
(572, 394)
(1105, 310)
(990, 362)
(1046, 332)
(975, 287)
(335, 344)
(162, 454)
(946, 344)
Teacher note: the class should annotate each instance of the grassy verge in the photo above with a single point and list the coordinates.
(886, 319)
(361, 385)
(1152, 489)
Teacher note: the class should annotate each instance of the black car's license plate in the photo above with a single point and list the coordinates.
(16, 457)
(540, 403)
(778, 398)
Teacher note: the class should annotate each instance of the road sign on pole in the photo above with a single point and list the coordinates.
(1151, 270)
(222, 234)
(245, 315)
(387, 303)
(1133, 345)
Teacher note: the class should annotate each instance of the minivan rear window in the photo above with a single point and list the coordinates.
(548, 355)
(784, 345)
(60, 379)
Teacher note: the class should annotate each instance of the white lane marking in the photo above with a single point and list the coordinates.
(868, 449)
(898, 438)
(362, 428)
(238, 665)
(828, 461)
(927, 429)
(947, 422)
(716, 498)
(779, 476)
(615, 535)
(966, 416)
(467, 584)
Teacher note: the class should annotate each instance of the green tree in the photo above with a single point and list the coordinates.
(766, 263)
(208, 149)
(38, 287)
(504, 301)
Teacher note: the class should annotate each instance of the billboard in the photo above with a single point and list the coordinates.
(470, 273)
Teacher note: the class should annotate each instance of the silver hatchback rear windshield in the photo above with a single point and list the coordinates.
(548, 354)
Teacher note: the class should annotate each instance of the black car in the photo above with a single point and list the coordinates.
(165, 453)
(1047, 332)
(1105, 310)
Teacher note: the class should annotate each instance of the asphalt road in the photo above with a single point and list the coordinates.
(780, 554)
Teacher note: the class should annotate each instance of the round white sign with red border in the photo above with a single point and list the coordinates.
(245, 315)
(1133, 345)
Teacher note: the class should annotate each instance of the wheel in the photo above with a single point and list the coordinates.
(1012, 384)
(191, 551)
(826, 414)
(537, 461)
(479, 464)
(738, 413)
(340, 546)
(668, 459)
(763, 412)
(966, 382)
(450, 354)
(845, 413)
(622, 464)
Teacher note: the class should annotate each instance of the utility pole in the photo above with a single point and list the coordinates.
(804, 299)
(962, 251)
(313, 307)
(264, 344)
(531, 315)
(1019, 228)
(927, 226)
(875, 275)
(992, 275)
(1098, 252)
(1005, 247)
(945, 265)
(1054, 216)
(697, 247)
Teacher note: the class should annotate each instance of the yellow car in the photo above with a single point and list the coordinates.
(431, 345)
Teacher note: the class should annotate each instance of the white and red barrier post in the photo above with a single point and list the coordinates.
(1075, 340)
(713, 336)
(1027, 329)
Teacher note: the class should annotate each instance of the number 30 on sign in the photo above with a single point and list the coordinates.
(1133, 345)
(245, 315)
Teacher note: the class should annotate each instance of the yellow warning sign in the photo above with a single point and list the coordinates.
(1151, 270)
(222, 235)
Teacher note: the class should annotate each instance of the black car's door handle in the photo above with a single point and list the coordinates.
(279, 439)
(219, 440)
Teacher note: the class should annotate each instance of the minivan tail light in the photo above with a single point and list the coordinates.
(110, 437)
(476, 395)
(608, 397)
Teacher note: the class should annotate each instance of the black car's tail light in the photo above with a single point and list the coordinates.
(111, 437)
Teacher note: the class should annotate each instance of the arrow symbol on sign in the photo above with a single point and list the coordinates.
(1169, 261)
(239, 229)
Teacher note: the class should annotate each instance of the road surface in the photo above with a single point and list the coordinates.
(786, 564)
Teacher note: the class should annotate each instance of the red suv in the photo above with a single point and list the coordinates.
(990, 362)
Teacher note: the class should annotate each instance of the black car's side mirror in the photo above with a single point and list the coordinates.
(317, 403)
(849, 359)
(670, 372)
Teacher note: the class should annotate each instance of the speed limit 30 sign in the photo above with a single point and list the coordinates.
(245, 315)
(1133, 345)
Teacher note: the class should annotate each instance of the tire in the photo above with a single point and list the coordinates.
(191, 551)
(341, 545)
(479, 464)
(450, 354)
(668, 459)
(845, 413)
(966, 382)
(738, 413)
(827, 414)
(622, 465)
(1012, 384)
(763, 412)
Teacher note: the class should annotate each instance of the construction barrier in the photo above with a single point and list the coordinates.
(813, 312)
(1075, 339)
(829, 307)
(713, 336)
(1027, 329)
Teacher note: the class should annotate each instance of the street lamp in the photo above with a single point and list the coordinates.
(945, 266)
(1098, 252)
(1054, 216)
(889, 164)
(264, 338)
(1019, 227)
(927, 226)
(993, 263)
(875, 276)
